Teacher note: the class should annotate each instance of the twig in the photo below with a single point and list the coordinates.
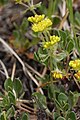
(25, 106)
(12, 51)
(64, 19)
(21, 108)
(23, 65)
(62, 8)
(25, 5)
(20, 101)
(13, 71)
(35, 81)
(25, 101)
(1, 99)
(4, 68)
(31, 2)
(2, 73)
(33, 70)
(76, 82)
(45, 84)
(44, 71)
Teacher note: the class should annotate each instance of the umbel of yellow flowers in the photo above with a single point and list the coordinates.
(77, 75)
(20, 1)
(57, 74)
(53, 40)
(75, 64)
(40, 23)
(36, 19)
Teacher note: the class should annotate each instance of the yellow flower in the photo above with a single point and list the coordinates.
(41, 26)
(57, 74)
(75, 64)
(53, 40)
(77, 75)
(36, 18)
(47, 44)
(20, 1)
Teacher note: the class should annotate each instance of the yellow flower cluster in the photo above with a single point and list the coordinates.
(20, 1)
(36, 18)
(40, 23)
(57, 75)
(41, 26)
(53, 39)
(77, 75)
(75, 64)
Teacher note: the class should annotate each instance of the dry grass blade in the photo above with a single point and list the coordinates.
(13, 71)
(64, 14)
(26, 71)
(25, 106)
(2, 72)
(33, 70)
(4, 68)
(64, 19)
(77, 83)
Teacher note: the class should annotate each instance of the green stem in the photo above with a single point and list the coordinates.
(51, 78)
(46, 36)
(51, 64)
(70, 7)
(51, 8)
(4, 115)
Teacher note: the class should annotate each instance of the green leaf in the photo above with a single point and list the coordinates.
(62, 35)
(8, 84)
(40, 100)
(58, 105)
(71, 115)
(41, 56)
(6, 102)
(3, 116)
(50, 91)
(56, 20)
(66, 107)
(73, 98)
(60, 56)
(61, 118)
(77, 18)
(36, 57)
(78, 44)
(3, 1)
(70, 46)
(16, 34)
(11, 98)
(76, 97)
(62, 97)
(52, 7)
(55, 115)
(25, 116)
(24, 25)
(10, 112)
(17, 86)
(70, 7)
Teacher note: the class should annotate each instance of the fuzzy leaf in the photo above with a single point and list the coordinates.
(17, 86)
(25, 117)
(62, 97)
(71, 116)
(61, 118)
(8, 84)
(11, 98)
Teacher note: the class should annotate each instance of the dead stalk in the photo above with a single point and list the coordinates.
(4, 68)
(26, 71)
